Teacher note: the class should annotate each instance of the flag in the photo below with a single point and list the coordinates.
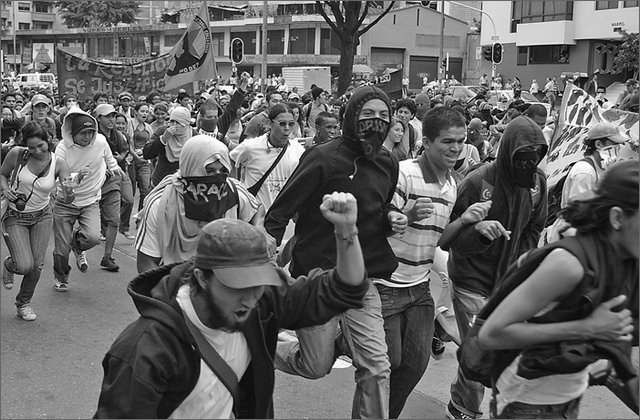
(191, 59)
(580, 111)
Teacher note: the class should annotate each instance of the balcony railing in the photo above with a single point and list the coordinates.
(43, 17)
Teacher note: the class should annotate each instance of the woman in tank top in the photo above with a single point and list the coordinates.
(27, 223)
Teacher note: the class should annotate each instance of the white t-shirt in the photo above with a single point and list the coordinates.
(256, 155)
(210, 399)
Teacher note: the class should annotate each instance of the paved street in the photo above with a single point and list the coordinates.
(51, 368)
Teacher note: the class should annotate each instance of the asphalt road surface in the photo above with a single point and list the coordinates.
(51, 368)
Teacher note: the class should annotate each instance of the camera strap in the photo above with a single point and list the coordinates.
(40, 175)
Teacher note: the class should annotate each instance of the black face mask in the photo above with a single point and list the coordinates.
(372, 133)
(209, 125)
(524, 167)
(207, 198)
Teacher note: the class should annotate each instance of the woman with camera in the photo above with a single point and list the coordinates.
(27, 178)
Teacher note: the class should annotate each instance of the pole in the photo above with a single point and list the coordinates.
(15, 52)
(263, 70)
(441, 52)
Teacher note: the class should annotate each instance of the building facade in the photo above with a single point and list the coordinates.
(547, 38)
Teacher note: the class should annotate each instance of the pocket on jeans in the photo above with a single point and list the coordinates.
(387, 295)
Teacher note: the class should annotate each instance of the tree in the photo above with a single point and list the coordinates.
(626, 57)
(84, 14)
(349, 16)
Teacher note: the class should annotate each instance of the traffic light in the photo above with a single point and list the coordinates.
(237, 50)
(496, 53)
(486, 52)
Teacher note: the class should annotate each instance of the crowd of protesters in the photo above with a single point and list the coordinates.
(423, 186)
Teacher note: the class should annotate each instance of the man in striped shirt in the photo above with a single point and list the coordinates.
(426, 193)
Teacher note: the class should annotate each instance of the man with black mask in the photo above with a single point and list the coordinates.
(354, 162)
(199, 192)
(481, 252)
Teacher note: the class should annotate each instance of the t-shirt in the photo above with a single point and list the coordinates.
(416, 248)
(256, 155)
(147, 239)
(582, 177)
(210, 399)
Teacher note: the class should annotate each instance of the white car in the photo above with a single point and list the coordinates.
(35, 81)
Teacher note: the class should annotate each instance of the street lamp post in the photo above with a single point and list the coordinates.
(494, 38)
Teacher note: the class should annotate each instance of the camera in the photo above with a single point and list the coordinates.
(20, 202)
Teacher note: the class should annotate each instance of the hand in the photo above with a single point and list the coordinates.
(9, 194)
(341, 209)
(492, 229)
(244, 81)
(606, 324)
(422, 209)
(475, 212)
(120, 172)
(271, 246)
(83, 172)
(398, 221)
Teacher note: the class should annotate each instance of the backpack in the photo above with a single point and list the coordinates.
(483, 365)
(307, 109)
(554, 195)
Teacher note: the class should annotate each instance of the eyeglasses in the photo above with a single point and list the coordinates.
(286, 124)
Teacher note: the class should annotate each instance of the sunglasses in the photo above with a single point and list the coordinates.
(285, 124)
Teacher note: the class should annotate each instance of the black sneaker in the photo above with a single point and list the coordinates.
(454, 413)
(437, 347)
(109, 264)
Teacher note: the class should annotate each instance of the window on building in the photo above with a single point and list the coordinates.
(631, 3)
(523, 56)
(549, 54)
(40, 7)
(330, 43)
(604, 5)
(24, 26)
(539, 11)
(249, 39)
(302, 41)
(218, 44)
(42, 25)
(24, 7)
(10, 48)
(275, 41)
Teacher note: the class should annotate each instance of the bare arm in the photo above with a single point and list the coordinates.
(145, 262)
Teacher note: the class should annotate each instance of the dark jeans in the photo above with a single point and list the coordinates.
(408, 314)
(126, 202)
(518, 410)
(27, 239)
(140, 174)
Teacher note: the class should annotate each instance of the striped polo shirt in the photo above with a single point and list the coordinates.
(416, 248)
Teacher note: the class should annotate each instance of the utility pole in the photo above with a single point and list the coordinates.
(441, 53)
(263, 77)
(15, 26)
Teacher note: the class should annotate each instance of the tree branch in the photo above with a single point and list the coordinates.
(364, 14)
(383, 14)
(328, 20)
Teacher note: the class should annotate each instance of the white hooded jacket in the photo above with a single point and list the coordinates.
(96, 156)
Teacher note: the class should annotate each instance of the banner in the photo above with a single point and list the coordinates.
(580, 111)
(84, 77)
(191, 59)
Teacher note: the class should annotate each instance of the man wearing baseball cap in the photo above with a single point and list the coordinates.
(88, 156)
(125, 108)
(231, 294)
(38, 109)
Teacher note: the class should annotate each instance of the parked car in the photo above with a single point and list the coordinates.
(502, 99)
(35, 81)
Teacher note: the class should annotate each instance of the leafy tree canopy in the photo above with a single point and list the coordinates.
(627, 55)
(83, 14)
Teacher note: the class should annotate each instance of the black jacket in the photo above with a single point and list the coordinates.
(153, 366)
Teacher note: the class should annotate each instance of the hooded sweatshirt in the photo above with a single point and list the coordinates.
(475, 263)
(153, 366)
(96, 156)
(339, 165)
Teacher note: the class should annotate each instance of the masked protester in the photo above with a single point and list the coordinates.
(354, 162)
(200, 191)
(482, 251)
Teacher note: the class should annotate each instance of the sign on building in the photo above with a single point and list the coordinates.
(43, 53)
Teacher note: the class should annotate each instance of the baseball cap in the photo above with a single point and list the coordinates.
(82, 122)
(104, 109)
(606, 130)
(40, 99)
(125, 95)
(631, 82)
(619, 183)
(237, 252)
(293, 96)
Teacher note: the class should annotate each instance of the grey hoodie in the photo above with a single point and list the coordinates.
(96, 156)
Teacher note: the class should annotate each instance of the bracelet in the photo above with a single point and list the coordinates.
(350, 237)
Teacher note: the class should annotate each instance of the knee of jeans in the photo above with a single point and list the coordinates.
(22, 267)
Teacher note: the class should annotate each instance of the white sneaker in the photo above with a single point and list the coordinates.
(60, 286)
(25, 312)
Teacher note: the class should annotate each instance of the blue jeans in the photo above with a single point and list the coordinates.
(87, 236)
(140, 173)
(408, 314)
(519, 410)
(313, 355)
(27, 239)
(126, 202)
(466, 395)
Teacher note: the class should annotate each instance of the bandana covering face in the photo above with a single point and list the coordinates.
(608, 155)
(207, 198)
(371, 133)
(525, 165)
(208, 125)
(174, 143)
